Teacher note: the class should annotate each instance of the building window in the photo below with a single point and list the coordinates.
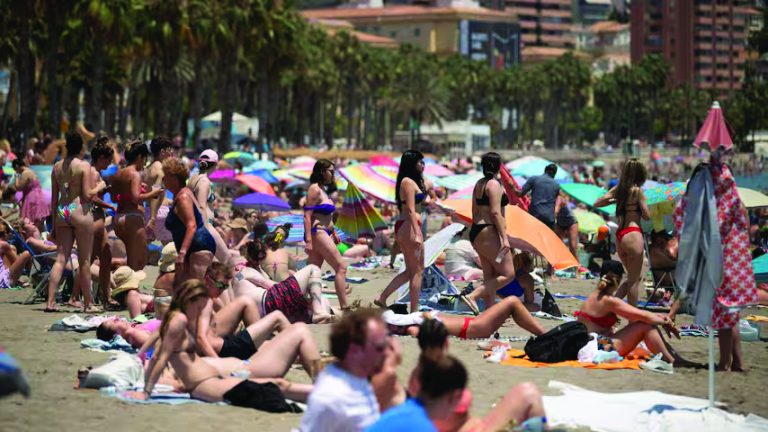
(393, 34)
(416, 32)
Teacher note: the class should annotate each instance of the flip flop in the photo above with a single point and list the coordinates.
(51, 310)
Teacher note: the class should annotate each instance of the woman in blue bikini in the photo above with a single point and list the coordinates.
(410, 196)
(319, 236)
(73, 220)
(194, 242)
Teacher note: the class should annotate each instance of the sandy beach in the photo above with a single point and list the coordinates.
(51, 359)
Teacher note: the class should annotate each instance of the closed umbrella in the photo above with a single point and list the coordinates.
(260, 201)
(358, 217)
(714, 131)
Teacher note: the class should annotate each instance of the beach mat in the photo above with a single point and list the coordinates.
(632, 361)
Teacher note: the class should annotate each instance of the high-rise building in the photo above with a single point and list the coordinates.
(704, 41)
(544, 22)
(588, 12)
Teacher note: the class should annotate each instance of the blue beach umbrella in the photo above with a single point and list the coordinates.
(260, 201)
(296, 235)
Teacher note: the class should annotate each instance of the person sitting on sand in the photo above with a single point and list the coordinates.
(343, 399)
(299, 296)
(126, 291)
(361, 250)
(167, 269)
(198, 377)
(663, 257)
(461, 259)
(521, 287)
(481, 326)
(601, 311)
(277, 264)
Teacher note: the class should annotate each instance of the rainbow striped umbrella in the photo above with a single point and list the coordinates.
(256, 184)
(283, 175)
(459, 182)
(383, 161)
(663, 193)
(296, 235)
(358, 217)
(438, 171)
(389, 172)
(369, 181)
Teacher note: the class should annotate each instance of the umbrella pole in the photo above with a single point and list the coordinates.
(711, 349)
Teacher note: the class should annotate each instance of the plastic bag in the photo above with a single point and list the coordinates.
(588, 351)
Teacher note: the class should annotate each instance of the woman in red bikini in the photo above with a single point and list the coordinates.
(630, 208)
(600, 314)
(410, 195)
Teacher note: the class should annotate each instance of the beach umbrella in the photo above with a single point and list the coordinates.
(238, 156)
(589, 222)
(752, 198)
(256, 184)
(283, 175)
(8, 170)
(370, 182)
(43, 173)
(223, 176)
(358, 217)
(303, 160)
(261, 165)
(664, 193)
(459, 181)
(760, 265)
(588, 194)
(304, 173)
(511, 186)
(650, 184)
(264, 174)
(714, 131)
(296, 235)
(525, 232)
(382, 160)
(260, 201)
(465, 193)
(437, 171)
(386, 171)
(534, 167)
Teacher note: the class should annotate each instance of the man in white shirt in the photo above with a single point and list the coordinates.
(343, 399)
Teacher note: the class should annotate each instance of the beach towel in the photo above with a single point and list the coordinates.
(631, 361)
(79, 323)
(116, 344)
(122, 371)
(330, 276)
(640, 411)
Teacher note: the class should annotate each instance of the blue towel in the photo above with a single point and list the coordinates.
(116, 344)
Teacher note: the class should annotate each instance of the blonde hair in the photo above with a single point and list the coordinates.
(189, 292)
(608, 283)
(173, 167)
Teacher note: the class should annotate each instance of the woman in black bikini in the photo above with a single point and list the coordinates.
(319, 236)
(410, 192)
(491, 244)
(199, 377)
(101, 156)
(630, 209)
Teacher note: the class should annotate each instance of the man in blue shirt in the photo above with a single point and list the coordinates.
(544, 191)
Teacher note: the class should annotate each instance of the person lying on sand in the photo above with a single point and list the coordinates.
(202, 380)
(299, 297)
(481, 326)
(600, 314)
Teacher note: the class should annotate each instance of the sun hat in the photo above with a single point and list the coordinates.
(209, 155)
(168, 255)
(126, 279)
(238, 223)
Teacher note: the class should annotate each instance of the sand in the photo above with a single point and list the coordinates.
(51, 359)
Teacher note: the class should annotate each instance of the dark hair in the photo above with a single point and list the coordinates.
(551, 169)
(260, 230)
(408, 163)
(74, 143)
(256, 249)
(104, 333)
(352, 329)
(317, 171)
(269, 238)
(440, 375)
(491, 163)
(134, 150)
(18, 163)
(432, 335)
(102, 149)
(159, 144)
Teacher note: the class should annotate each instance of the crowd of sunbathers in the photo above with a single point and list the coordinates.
(231, 306)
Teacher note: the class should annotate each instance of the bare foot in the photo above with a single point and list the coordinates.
(75, 304)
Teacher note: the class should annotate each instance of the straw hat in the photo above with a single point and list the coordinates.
(238, 223)
(126, 279)
(168, 255)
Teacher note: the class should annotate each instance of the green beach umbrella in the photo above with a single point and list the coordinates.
(588, 194)
(589, 222)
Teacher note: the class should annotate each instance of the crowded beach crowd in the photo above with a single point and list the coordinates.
(231, 306)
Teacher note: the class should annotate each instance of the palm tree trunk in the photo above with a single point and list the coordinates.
(25, 63)
(226, 103)
(196, 101)
(93, 111)
(122, 119)
(7, 105)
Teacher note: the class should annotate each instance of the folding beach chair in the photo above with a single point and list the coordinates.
(41, 265)
(663, 278)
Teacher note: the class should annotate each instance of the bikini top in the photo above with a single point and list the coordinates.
(418, 198)
(323, 209)
(606, 321)
(483, 200)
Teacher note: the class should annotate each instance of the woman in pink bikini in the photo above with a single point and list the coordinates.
(630, 209)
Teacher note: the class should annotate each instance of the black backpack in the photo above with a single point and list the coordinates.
(559, 344)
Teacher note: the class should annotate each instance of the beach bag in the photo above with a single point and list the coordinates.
(549, 305)
(559, 344)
